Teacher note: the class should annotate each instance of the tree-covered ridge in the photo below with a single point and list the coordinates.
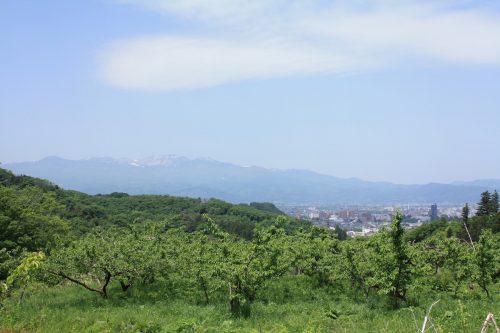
(234, 257)
(35, 213)
(84, 212)
(7, 178)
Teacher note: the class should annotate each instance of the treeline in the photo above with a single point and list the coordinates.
(213, 266)
(192, 249)
(487, 206)
(35, 215)
(466, 228)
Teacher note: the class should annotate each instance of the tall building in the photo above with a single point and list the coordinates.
(434, 212)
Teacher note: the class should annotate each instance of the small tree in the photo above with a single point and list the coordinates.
(494, 204)
(465, 213)
(204, 256)
(458, 262)
(390, 263)
(486, 260)
(23, 273)
(315, 254)
(484, 205)
(465, 222)
(249, 265)
(358, 264)
(403, 276)
(431, 252)
(92, 262)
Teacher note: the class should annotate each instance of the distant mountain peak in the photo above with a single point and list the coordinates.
(51, 158)
(158, 160)
(206, 177)
(166, 160)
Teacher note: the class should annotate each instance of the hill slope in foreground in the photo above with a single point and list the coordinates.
(71, 262)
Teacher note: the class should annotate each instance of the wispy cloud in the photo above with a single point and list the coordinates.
(252, 39)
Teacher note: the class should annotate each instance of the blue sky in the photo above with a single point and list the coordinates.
(405, 91)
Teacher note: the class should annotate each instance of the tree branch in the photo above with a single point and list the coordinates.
(427, 317)
(470, 238)
(489, 318)
(67, 277)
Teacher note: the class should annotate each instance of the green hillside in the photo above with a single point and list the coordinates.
(71, 262)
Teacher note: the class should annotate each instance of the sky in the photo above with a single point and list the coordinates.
(406, 91)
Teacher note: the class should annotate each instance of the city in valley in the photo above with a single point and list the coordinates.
(365, 220)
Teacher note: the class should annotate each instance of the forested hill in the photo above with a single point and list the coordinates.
(34, 210)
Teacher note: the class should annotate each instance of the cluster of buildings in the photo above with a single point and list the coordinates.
(367, 220)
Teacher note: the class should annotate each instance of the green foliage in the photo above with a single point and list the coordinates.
(465, 213)
(8, 179)
(402, 261)
(488, 205)
(248, 266)
(386, 265)
(106, 254)
(458, 262)
(316, 254)
(477, 224)
(22, 275)
(266, 207)
(71, 309)
(425, 231)
(429, 257)
(487, 260)
(166, 264)
(24, 272)
(29, 218)
(494, 203)
(484, 204)
(9, 259)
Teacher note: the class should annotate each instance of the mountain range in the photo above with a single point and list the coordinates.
(208, 178)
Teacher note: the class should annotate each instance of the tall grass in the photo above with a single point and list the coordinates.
(287, 305)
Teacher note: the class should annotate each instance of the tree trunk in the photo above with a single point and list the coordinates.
(235, 306)
(104, 292)
(484, 286)
(124, 285)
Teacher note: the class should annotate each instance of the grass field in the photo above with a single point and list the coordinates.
(72, 309)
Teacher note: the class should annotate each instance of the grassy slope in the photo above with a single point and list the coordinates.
(72, 309)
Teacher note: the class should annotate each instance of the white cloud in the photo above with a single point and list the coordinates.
(458, 36)
(175, 63)
(207, 9)
(252, 39)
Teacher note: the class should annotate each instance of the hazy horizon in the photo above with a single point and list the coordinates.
(236, 164)
(399, 91)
